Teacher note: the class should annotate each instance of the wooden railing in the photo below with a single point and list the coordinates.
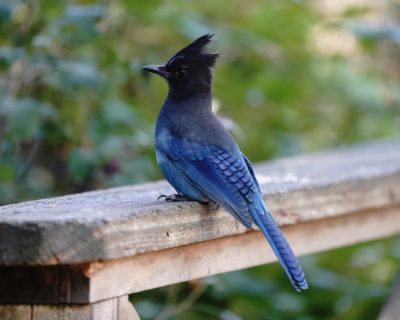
(79, 256)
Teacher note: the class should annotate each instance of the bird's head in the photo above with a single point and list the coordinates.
(189, 71)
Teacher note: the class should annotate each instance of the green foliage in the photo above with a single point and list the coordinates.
(77, 110)
(67, 106)
(77, 113)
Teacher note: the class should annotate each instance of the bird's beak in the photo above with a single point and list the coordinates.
(157, 69)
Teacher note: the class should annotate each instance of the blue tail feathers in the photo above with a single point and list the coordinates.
(264, 220)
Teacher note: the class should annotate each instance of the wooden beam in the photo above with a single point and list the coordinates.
(113, 309)
(160, 268)
(127, 221)
(44, 284)
(97, 281)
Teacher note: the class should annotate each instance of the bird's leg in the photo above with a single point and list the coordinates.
(174, 198)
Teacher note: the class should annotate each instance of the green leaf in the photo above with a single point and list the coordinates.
(72, 75)
(117, 112)
(6, 172)
(80, 164)
(25, 116)
(10, 54)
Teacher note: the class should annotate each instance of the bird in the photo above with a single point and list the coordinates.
(201, 159)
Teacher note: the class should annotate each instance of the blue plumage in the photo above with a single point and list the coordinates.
(200, 158)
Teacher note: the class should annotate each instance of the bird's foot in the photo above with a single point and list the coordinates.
(213, 205)
(173, 198)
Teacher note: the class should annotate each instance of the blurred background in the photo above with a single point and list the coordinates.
(77, 113)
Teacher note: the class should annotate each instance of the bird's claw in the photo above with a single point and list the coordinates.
(213, 205)
(173, 198)
(179, 198)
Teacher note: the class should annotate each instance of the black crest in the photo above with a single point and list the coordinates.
(196, 52)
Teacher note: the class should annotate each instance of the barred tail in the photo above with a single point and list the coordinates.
(264, 220)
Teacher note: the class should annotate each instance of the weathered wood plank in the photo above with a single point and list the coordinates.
(104, 280)
(113, 309)
(122, 222)
(157, 269)
(43, 284)
(15, 312)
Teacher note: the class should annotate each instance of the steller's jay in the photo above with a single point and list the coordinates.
(201, 160)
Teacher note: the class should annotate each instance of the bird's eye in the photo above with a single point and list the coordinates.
(177, 66)
(180, 72)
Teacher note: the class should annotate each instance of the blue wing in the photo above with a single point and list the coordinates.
(210, 178)
(227, 178)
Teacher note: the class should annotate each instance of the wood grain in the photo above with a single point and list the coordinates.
(15, 312)
(97, 281)
(127, 221)
(157, 269)
(113, 309)
(44, 284)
